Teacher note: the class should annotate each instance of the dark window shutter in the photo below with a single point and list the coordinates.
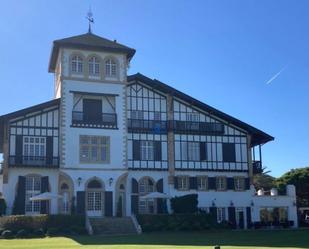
(20, 199)
(80, 202)
(213, 212)
(229, 154)
(136, 150)
(160, 186)
(176, 182)
(44, 188)
(232, 216)
(203, 152)
(247, 183)
(193, 183)
(134, 186)
(249, 222)
(19, 149)
(157, 151)
(134, 204)
(108, 203)
(212, 183)
(49, 150)
(230, 183)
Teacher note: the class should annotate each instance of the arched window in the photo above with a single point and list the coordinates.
(110, 68)
(76, 64)
(94, 184)
(94, 66)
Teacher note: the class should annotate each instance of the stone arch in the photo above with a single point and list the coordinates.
(66, 190)
(120, 196)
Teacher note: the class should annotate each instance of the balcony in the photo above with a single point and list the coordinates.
(34, 161)
(147, 126)
(257, 167)
(105, 120)
(201, 128)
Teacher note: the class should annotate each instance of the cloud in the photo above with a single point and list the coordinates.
(275, 76)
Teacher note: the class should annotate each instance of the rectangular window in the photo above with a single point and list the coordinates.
(221, 214)
(229, 154)
(221, 183)
(193, 117)
(34, 146)
(183, 182)
(94, 149)
(239, 183)
(157, 116)
(137, 115)
(147, 150)
(190, 151)
(33, 187)
(202, 183)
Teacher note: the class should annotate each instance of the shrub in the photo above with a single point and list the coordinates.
(177, 222)
(52, 231)
(2, 207)
(22, 234)
(60, 221)
(39, 233)
(185, 204)
(7, 234)
(79, 230)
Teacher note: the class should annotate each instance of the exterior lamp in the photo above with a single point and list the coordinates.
(231, 203)
(213, 203)
(252, 204)
(110, 181)
(79, 181)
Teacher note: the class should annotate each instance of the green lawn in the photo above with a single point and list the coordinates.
(227, 239)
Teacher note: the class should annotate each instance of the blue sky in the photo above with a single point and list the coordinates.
(220, 52)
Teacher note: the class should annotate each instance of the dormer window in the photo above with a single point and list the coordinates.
(77, 64)
(94, 66)
(110, 68)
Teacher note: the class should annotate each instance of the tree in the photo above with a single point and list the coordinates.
(300, 178)
(263, 180)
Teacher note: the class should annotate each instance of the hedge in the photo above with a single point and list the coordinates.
(186, 204)
(32, 223)
(178, 222)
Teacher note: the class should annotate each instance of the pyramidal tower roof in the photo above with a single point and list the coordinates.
(88, 41)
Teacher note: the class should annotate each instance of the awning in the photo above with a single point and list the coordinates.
(155, 195)
(45, 196)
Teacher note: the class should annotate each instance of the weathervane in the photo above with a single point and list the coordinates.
(90, 19)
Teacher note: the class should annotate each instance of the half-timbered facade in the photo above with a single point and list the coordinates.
(107, 140)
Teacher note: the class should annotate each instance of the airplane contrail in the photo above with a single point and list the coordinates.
(275, 76)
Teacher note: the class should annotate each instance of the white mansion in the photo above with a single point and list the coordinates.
(108, 139)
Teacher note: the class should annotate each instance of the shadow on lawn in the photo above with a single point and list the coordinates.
(284, 238)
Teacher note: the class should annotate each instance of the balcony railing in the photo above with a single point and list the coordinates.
(148, 126)
(105, 120)
(35, 161)
(257, 167)
(197, 127)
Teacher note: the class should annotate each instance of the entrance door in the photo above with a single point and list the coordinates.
(94, 203)
(240, 218)
(92, 109)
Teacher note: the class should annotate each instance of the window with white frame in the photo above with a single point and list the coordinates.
(94, 66)
(94, 149)
(221, 183)
(147, 150)
(33, 187)
(202, 182)
(193, 117)
(110, 68)
(190, 151)
(136, 114)
(146, 186)
(34, 148)
(239, 183)
(76, 64)
(221, 216)
(183, 182)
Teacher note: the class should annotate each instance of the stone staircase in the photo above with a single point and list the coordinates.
(112, 226)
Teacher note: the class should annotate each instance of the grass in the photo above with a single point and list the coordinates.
(287, 239)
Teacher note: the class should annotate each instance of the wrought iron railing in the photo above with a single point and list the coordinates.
(152, 126)
(196, 127)
(36, 161)
(105, 120)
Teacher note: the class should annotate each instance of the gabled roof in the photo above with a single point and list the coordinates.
(258, 136)
(87, 41)
(5, 118)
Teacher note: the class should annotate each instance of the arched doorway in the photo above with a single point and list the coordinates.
(94, 198)
(146, 185)
(65, 189)
(121, 196)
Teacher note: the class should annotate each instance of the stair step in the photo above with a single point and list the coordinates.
(113, 225)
